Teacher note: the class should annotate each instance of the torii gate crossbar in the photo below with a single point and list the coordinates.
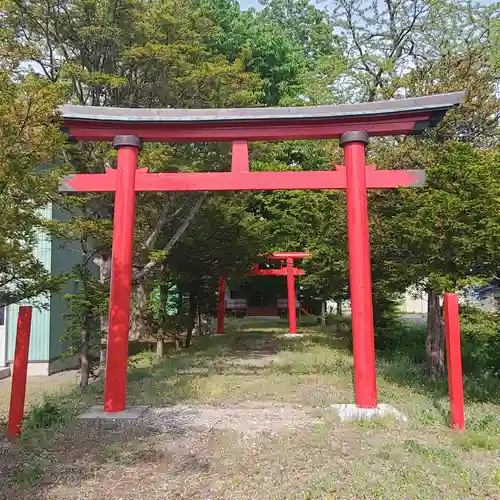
(352, 124)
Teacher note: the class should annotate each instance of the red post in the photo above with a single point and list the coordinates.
(290, 283)
(121, 273)
(19, 372)
(454, 361)
(221, 306)
(365, 385)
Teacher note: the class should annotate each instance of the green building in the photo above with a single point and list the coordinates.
(47, 324)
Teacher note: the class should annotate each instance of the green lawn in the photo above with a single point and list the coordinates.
(265, 429)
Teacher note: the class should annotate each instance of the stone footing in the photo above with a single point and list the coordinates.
(352, 412)
(98, 413)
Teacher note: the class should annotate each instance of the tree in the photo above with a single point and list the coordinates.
(225, 240)
(386, 39)
(291, 44)
(130, 54)
(28, 140)
(413, 48)
(447, 235)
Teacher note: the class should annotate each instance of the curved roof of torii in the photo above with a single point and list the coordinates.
(398, 116)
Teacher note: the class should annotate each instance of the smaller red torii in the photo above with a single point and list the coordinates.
(290, 271)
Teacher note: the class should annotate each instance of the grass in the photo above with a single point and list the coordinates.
(422, 458)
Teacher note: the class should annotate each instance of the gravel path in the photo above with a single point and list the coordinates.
(248, 418)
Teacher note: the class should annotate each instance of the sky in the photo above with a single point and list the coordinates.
(246, 4)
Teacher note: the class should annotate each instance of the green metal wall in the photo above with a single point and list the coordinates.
(40, 323)
(64, 256)
(48, 325)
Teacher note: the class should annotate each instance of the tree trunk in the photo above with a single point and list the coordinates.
(322, 318)
(339, 307)
(435, 343)
(193, 305)
(200, 331)
(84, 359)
(85, 368)
(139, 326)
(103, 261)
(102, 363)
(159, 349)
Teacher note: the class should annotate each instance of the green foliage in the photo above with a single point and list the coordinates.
(448, 231)
(28, 140)
(29, 475)
(162, 323)
(290, 44)
(86, 307)
(385, 318)
(480, 342)
(384, 40)
(223, 241)
(480, 336)
(44, 416)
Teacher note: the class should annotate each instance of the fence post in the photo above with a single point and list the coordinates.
(454, 361)
(19, 372)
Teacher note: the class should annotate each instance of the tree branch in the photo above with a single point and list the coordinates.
(176, 236)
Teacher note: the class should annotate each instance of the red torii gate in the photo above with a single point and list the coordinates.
(352, 124)
(289, 271)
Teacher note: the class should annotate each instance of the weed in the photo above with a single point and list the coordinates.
(431, 453)
(46, 415)
(373, 423)
(496, 477)
(483, 422)
(28, 476)
(471, 440)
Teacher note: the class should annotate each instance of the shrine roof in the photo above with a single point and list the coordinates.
(438, 102)
(396, 117)
(285, 255)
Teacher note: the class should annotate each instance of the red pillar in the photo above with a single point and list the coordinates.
(121, 273)
(290, 283)
(365, 386)
(221, 306)
(454, 361)
(19, 371)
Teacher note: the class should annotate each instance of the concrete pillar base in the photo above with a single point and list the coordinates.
(98, 413)
(4, 372)
(352, 412)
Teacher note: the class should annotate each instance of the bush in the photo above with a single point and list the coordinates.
(480, 335)
(480, 341)
(388, 327)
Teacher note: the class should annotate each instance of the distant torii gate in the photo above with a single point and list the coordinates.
(352, 124)
(289, 271)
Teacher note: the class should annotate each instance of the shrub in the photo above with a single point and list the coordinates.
(480, 341)
(385, 320)
(480, 335)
